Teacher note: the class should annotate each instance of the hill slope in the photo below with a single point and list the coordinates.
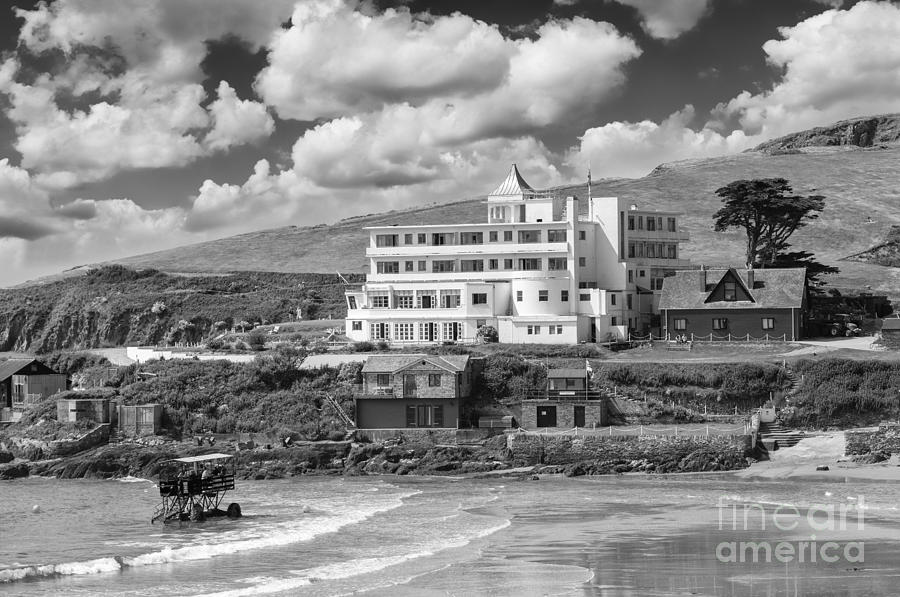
(858, 183)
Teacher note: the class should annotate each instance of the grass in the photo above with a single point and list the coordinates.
(857, 183)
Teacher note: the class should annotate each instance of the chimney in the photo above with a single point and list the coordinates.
(703, 278)
(750, 278)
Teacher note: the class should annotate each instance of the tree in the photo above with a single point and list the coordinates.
(769, 213)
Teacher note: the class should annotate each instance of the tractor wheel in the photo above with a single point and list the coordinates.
(834, 331)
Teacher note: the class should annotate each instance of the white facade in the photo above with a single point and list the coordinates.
(542, 269)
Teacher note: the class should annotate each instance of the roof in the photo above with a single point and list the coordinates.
(513, 185)
(13, 366)
(391, 363)
(566, 373)
(772, 289)
(202, 458)
(314, 361)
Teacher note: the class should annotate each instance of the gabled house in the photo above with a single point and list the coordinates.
(24, 382)
(721, 304)
(413, 390)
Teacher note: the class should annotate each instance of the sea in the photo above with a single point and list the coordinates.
(628, 535)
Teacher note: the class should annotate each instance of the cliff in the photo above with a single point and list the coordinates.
(114, 306)
(868, 131)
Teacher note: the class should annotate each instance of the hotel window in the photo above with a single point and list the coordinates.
(421, 237)
(492, 236)
(443, 266)
(613, 320)
(409, 266)
(407, 239)
(387, 267)
(584, 297)
(423, 266)
(651, 250)
(518, 296)
(471, 265)
(379, 301)
(628, 301)
(379, 331)
(630, 276)
(451, 330)
(404, 299)
(351, 302)
(672, 251)
(768, 323)
(534, 330)
(671, 222)
(529, 264)
(582, 235)
(631, 249)
(507, 236)
(426, 299)
(564, 296)
(471, 238)
(507, 264)
(543, 296)
(356, 326)
(651, 224)
(640, 222)
(680, 324)
(556, 236)
(631, 222)
(424, 415)
(442, 238)
(556, 263)
(730, 289)
(529, 236)
(582, 262)
(434, 380)
(493, 264)
(383, 380)
(719, 323)
(450, 299)
(403, 331)
(612, 299)
(479, 298)
(385, 240)
(659, 223)
(642, 274)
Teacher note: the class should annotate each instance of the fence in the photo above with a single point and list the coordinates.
(707, 338)
(650, 431)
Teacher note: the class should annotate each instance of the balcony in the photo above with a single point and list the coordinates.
(488, 249)
(659, 235)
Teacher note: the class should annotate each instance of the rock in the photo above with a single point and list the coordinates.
(13, 471)
(822, 467)
(6, 457)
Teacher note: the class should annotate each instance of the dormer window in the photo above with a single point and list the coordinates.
(730, 289)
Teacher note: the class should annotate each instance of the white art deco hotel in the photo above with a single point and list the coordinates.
(541, 269)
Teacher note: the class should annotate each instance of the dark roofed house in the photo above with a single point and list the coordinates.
(734, 303)
(24, 382)
(890, 333)
(413, 390)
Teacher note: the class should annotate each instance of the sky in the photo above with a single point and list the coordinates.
(130, 126)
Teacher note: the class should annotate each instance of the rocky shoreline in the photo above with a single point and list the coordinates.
(500, 453)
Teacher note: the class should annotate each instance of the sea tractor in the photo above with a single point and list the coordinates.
(192, 488)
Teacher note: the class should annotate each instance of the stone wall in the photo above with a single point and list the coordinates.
(595, 411)
(622, 454)
(440, 436)
(95, 437)
(885, 440)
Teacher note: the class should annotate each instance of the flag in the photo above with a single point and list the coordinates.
(587, 368)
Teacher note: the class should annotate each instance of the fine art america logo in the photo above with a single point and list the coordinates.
(826, 519)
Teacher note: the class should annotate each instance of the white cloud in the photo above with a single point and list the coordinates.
(236, 121)
(143, 61)
(668, 19)
(836, 65)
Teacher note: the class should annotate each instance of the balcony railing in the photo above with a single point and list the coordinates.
(564, 395)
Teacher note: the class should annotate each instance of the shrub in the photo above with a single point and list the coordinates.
(362, 347)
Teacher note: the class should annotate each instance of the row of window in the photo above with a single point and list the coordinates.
(424, 415)
(468, 238)
(386, 380)
(423, 331)
(652, 250)
(474, 265)
(653, 223)
(553, 330)
(721, 323)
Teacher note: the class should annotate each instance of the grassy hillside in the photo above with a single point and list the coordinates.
(858, 183)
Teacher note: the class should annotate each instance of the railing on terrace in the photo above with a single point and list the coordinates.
(707, 338)
(565, 395)
(694, 430)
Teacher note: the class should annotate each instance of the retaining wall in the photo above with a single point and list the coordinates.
(886, 439)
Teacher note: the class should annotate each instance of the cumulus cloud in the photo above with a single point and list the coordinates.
(236, 121)
(836, 65)
(124, 88)
(668, 19)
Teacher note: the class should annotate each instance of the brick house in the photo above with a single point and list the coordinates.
(24, 382)
(413, 390)
(568, 401)
(721, 304)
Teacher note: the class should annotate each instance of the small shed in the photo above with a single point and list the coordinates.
(83, 409)
(567, 379)
(890, 333)
(140, 419)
